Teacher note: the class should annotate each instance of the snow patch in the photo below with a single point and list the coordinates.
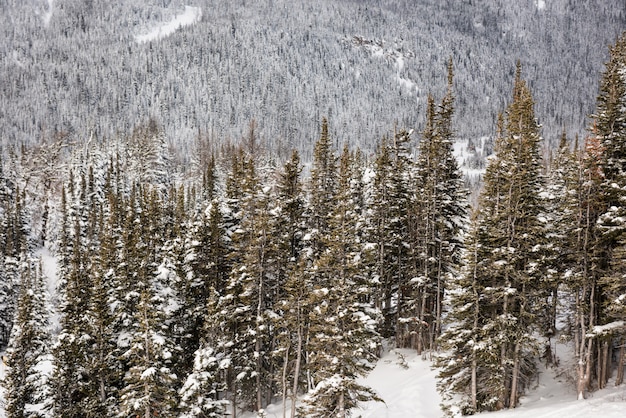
(190, 16)
(46, 13)
(541, 4)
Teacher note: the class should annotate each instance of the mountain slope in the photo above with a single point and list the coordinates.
(71, 67)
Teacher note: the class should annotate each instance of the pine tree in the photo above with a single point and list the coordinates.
(245, 308)
(206, 270)
(610, 131)
(343, 337)
(8, 288)
(389, 226)
(467, 368)
(26, 381)
(506, 238)
(71, 382)
(322, 186)
(439, 219)
(149, 381)
(289, 322)
(201, 390)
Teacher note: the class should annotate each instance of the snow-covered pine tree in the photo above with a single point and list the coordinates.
(389, 229)
(71, 382)
(508, 231)
(440, 214)
(200, 393)
(610, 131)
(28, 354)
(206, 271)
(149, 381)
(466, 365)
(8, 285)
(343, 337)
(322, 186)
(290, 322)
(244, 310)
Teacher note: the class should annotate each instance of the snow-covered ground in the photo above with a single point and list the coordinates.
(190, 16)
(407, 384)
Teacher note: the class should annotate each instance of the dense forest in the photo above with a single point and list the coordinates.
(251, 284)
(201, 272)
(70, 67)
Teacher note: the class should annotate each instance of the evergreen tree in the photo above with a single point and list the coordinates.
(507, 235)
(149, 381)
(8, 288)
(201, 390)
(322, 186)
(71, 381)
(245, 310)
(610, 131)
(389, 225)
(343, 337)
(289, 322)
(468, 369)
(439, 219)
(26, 381)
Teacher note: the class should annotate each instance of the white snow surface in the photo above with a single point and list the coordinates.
(407, 383)
(190, 16)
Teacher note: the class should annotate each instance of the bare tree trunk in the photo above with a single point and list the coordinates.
(284, 381)
(296, 372)
(580, 343)
(440, 290)
(515, 376)
(474, 384)
(619, 378)
(588, 365)
(604, 361)
(503, 355)
(341, 406)
(599, 362)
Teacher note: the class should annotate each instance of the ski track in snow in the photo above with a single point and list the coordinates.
(190, 16)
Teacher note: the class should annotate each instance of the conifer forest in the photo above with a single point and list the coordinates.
(211, 207)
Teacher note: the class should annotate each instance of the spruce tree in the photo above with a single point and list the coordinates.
(610, 131)
(343, 336)
(440, 213)
(27, 381)
(71, 382)
(322, 186)
(389, 230)
(149, 381)
(290, 323)
(507, 233)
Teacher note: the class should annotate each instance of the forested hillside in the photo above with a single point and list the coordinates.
(72, 67)
(190, 227)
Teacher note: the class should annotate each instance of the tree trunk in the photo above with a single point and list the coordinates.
(296, 372)
(619, 378)
(283, 381)
(419, 346)
(604, 363)
(341, 406)
(514, 376)
(474, 385)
